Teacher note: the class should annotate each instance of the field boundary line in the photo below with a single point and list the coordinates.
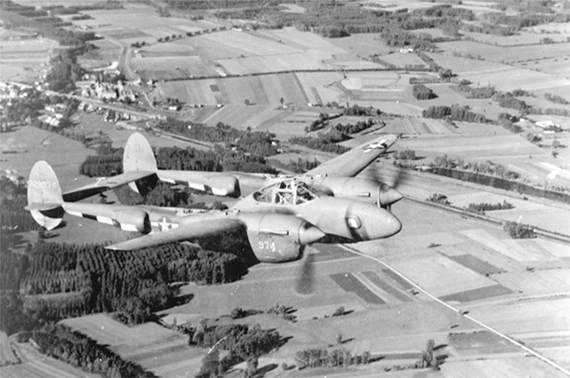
(458, 311)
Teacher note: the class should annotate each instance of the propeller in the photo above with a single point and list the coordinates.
(306, 278)
(387, 193)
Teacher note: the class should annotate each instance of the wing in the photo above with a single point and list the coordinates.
(354, 161)
(193, 228)
(104, 185)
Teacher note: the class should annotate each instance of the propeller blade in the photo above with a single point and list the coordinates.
(305, 281)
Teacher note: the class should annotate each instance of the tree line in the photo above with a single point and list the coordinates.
(454, 112)
(323, 142)
(483, 206)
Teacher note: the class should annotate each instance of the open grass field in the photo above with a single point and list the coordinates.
(242, 118)
(160, 350)
(402, 60)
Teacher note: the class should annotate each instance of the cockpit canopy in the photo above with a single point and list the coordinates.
(286, 192)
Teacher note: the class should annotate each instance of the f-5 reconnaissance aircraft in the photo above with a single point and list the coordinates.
(335, 177)
(279, 219)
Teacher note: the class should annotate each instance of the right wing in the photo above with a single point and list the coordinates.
(354, 161)
(104, 185)
(196, 227)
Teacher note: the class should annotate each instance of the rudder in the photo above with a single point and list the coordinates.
(45, 199)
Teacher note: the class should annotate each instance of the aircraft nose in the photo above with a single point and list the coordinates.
(390, 196)
(309, 234)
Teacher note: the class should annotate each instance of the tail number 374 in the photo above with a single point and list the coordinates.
(266, 245)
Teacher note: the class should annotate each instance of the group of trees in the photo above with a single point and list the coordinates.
(244, 343)
(80, 351)
(16, 16)
(484, 168)
(297, 166)
(482, 207)
(320, 357)
(508, 100)
(469, 92)
(421, 92)
(556, 99)
(454, 112)
(518, 230)
(13, 199)
(64, 72)
(323, 142)
(438, 198)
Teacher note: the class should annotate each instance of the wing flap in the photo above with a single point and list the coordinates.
(356, 160)
(197, 227)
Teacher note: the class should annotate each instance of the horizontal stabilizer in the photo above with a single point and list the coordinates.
(105, 184)
(42, 206)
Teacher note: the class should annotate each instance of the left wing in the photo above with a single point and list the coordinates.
(196, 227)
(354, 161)
(104, 185)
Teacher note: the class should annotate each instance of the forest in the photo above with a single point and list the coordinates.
(59, 280)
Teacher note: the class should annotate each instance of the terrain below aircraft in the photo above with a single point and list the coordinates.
(279, 219)
(334, 177)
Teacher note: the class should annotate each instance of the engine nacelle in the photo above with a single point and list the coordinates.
(279, 237)
(136, 220)
(360, 189)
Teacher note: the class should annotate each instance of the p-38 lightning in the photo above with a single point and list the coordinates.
(286, 214)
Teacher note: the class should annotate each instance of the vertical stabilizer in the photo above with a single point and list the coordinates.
(138, 156)
(44, 196)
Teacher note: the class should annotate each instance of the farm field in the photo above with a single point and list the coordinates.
(138, 22)
(402, 60)
(23, 61)
(501, 76)
(527, 37)
(499, 54)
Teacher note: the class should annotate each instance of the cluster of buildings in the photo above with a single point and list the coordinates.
(107, 91)
(52, 114)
